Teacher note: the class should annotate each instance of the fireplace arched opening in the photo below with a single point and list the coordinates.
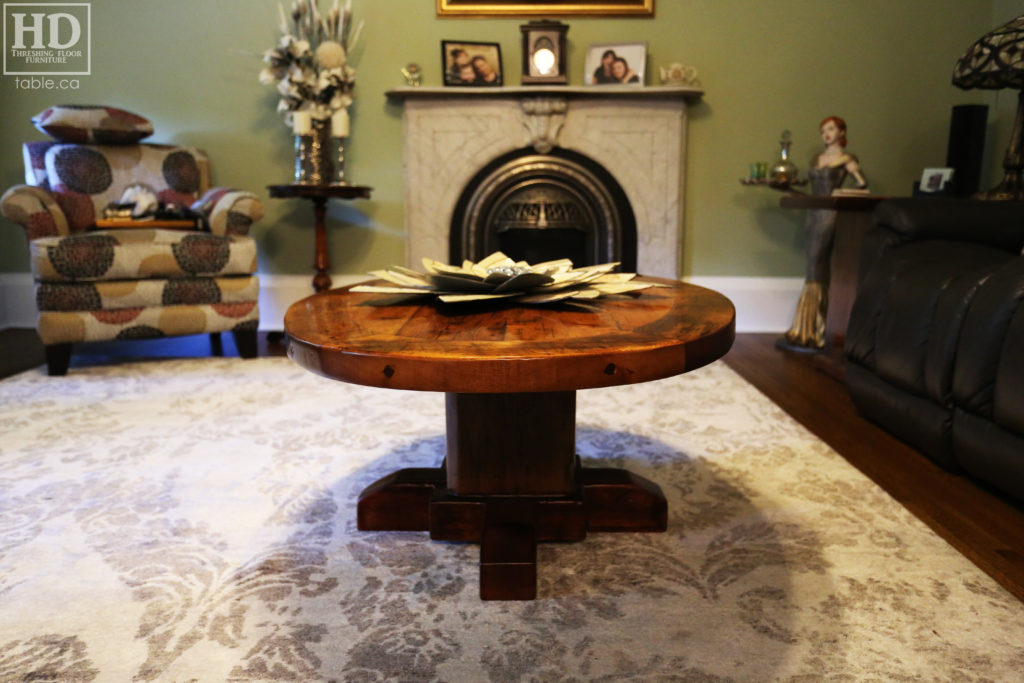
(540, 207)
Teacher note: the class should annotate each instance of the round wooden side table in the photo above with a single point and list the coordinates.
(320, 194)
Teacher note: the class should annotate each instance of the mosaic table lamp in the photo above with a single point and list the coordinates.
(996, 61)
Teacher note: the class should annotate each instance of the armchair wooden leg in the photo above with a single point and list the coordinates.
(58, 358)
(246, 342)
(216, 344)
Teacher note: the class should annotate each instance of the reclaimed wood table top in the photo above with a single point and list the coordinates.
(422, 344)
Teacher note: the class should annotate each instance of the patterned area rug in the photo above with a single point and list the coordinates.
(194, 520)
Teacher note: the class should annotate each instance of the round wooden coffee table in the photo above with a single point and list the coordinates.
(511, 477)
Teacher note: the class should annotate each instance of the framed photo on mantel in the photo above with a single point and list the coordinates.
(521, 8)
(471, 63)
(620, 64)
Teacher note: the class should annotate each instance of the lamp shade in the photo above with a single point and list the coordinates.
(994, 61)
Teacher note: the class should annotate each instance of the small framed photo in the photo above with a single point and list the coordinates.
(614, 64)
(935, 179)
(468, 63)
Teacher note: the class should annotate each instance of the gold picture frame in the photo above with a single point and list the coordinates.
(518, 8)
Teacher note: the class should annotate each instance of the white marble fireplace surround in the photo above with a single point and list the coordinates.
(637, 133)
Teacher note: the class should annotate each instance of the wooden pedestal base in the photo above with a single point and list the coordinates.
(508, 528)
(511, 479)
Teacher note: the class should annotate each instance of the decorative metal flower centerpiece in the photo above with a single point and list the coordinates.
(499, 277)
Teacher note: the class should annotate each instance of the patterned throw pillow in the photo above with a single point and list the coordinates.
(91, 124)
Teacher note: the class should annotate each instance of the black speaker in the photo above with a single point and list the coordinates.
(966, 146)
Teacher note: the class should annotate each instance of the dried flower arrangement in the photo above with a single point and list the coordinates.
(310, 64)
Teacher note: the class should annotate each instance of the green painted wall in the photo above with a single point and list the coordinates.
(191, 67)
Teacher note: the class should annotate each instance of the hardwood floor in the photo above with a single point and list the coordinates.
(985, 527)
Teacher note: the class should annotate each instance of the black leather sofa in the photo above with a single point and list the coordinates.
(935, 341)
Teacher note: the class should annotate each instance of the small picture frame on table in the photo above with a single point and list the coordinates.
(468, 63)
(935, 180)
(615, 64)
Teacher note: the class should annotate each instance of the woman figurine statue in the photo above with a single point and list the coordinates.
(828, 169)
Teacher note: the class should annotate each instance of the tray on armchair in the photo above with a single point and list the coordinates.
(166, 223)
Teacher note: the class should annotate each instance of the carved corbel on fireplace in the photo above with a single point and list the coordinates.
(543, 118)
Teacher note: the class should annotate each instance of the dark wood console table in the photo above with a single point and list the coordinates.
(320, 194)
(511, 477)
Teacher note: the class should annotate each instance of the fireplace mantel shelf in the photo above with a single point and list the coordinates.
(611, 91)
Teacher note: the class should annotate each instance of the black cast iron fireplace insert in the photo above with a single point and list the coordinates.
(540, 207)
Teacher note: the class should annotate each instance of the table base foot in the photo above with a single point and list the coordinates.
(618, 500)
(400, 501)
(508, 561)
(508, 528)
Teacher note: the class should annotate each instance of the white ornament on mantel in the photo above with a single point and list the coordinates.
(638, 134)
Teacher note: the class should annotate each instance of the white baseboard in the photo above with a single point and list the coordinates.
(763, 304)
(278, 292)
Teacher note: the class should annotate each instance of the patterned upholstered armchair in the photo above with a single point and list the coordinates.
(99, 284)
